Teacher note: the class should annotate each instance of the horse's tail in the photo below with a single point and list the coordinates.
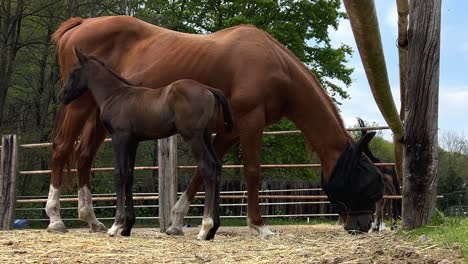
(64, 27)
(219, 95)
(58, 34)
(60, 113)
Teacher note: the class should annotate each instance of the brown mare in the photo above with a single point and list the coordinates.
(384, 207)
(132, 114)
(264, 82)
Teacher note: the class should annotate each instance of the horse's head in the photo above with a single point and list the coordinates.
(76, 84)
(355, 186)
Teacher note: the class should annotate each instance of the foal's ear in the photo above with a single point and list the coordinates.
(364, 141)
(80, 55)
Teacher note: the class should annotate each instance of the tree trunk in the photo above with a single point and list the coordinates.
(420, 181)
(11, 28)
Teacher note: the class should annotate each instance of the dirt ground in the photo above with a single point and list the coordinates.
(291, 244)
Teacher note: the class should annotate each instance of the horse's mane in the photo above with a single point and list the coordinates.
(305, 69)
(116, 74)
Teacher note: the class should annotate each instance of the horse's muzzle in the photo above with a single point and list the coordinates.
(358, 223)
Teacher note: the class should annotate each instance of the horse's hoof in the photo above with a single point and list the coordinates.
(98, 228)
(58, 227)
(125, 232)
(263, 231)
(210, 235)
(266, 233)
(174, 231)
(202, 236)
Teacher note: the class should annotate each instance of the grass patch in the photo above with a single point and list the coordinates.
(449, 232)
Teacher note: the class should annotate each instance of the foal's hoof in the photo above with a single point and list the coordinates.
(98, 228)
(125, 232)
(113, 230)
(174, 231)
(58, 227)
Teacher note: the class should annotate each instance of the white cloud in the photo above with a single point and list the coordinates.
(452, 100)
(343, 35)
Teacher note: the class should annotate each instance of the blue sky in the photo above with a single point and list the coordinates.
(453, 87)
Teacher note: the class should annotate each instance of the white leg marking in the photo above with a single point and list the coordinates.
(114, 229)
(53, 211)
(263, 231)
(382, 226)
(373, 226)
(86, 211)
(178, 212)
(207, 224)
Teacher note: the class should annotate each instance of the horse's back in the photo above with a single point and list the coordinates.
(247, 64)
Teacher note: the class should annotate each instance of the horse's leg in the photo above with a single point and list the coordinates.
(251, 140)
(382, 226)
(221, 144)
(92, 138)
(129, 209)
(375, 223)
(120, 143)
(75, 116)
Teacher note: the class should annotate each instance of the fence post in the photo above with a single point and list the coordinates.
(167, 184)
(8, 174)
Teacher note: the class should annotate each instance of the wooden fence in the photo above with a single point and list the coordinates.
(273, 204)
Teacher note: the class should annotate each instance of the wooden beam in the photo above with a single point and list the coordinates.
(167, 184)
(8, 174)
(365, 26)
(403, 10)
(421, 149)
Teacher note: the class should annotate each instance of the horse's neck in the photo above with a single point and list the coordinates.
(315, 114)
(103, 84)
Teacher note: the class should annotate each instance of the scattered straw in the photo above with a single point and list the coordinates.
(292, 244)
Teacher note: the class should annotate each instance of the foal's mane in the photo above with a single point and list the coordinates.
(116, 74)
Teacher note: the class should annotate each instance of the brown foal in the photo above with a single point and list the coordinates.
(132, 114)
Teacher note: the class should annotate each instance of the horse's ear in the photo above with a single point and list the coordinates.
(80, 55)
(364, 141)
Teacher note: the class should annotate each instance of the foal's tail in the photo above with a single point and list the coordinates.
(219, 95)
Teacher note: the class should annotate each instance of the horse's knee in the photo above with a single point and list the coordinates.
(61, 151)
(252, 174)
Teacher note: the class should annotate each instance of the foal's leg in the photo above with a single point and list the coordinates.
(216, 217)
(120, 144)
(221, 144)
(92, 138)
(70, 127)
(129, 209)
(207, 165)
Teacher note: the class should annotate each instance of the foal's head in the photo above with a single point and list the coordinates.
(355, 186)
(77, 83)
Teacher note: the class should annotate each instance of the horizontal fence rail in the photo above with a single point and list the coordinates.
(268, 198)
(192, 167)
(285, 132)
(154, 197)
